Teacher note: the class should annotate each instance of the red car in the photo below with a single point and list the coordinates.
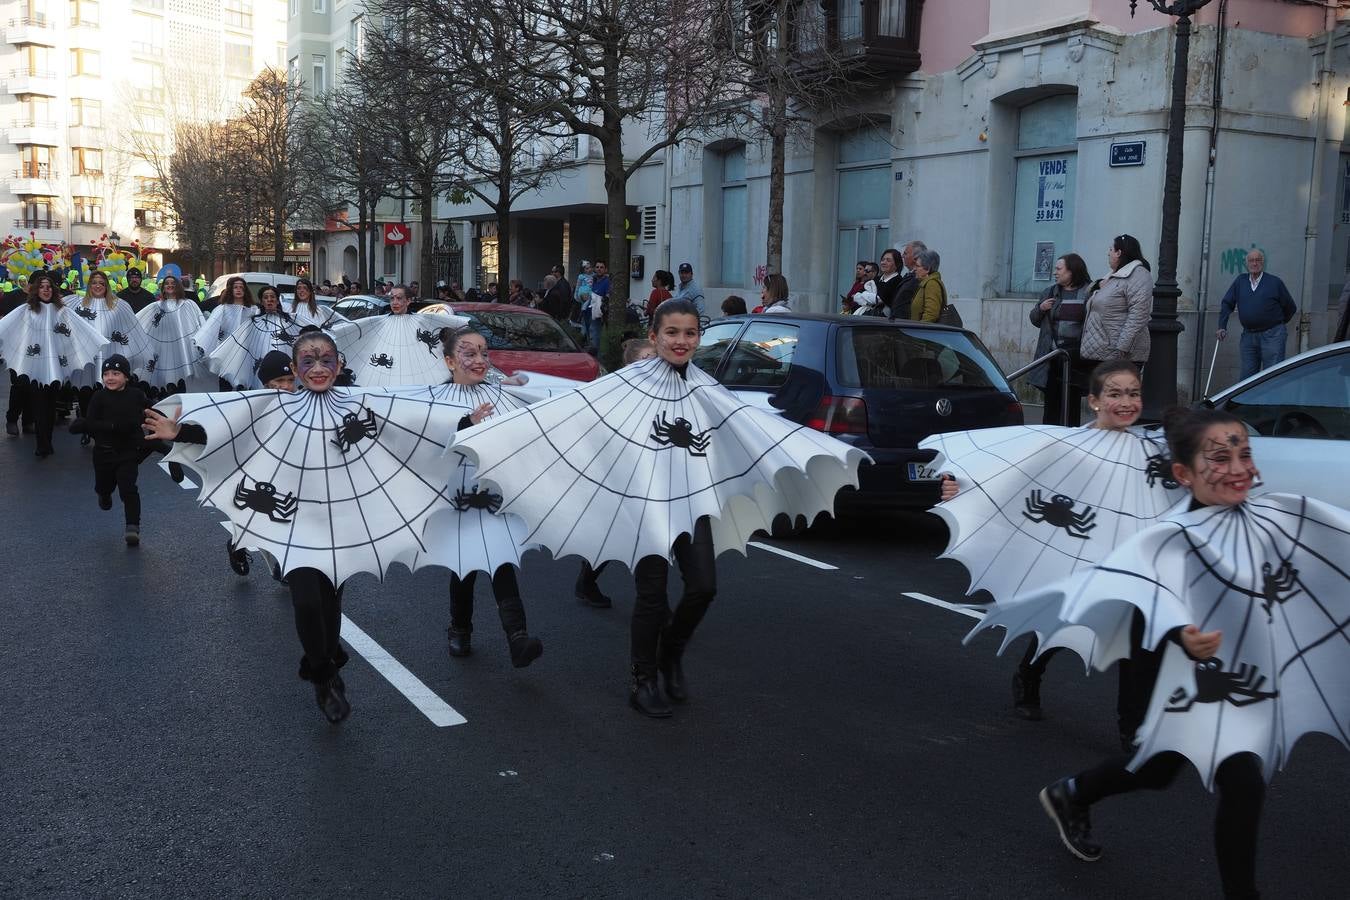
(519, 337)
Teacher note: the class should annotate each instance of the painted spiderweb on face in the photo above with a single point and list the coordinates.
(237, 357)
(1271, 574)
(339, 481)
(391, 351)
(121, 329)
(222, 322)
(621, 467)
(48, 346)
(171, 326)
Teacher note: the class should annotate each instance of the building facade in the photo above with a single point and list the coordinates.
(88, 81)
(1033, 128)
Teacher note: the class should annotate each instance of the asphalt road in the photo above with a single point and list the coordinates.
(840, 741)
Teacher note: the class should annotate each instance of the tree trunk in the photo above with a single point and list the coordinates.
(426, 274)
(360, 239)
(773, 258)
(503, 210)
(278, 239)
(616, 208)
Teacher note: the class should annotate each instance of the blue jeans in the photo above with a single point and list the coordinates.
(1262, 349)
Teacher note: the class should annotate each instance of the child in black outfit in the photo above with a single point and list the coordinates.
(114, 422)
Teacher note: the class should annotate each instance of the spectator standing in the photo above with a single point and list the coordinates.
(1264, 308)
(516, 296)
(582, 298)
(1118, 311)
(931, 294)
(489, 293)
(775, 295)
(415, 290)
(599, 297)
(689, 289)
(558, 295)
(734, 305)
(1059, 315)
(860, 278)
(137, 297)
(880, 294)
(662, 284)
(909, 281)
(1344, 323)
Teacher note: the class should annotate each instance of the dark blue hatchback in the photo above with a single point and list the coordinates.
(881, 386)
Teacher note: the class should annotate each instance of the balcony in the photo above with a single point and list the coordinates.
(31, 30)
(878, 38)
(31, 81)
(35, 180)
(46, 134)
(85, 136)
(44, 229)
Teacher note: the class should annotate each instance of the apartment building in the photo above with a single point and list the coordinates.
(86, 82)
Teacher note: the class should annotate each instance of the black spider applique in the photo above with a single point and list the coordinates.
(284, 337)
(88, 314)
(1214, 685)
(1276, 585)
(33, 349)
(353, 428)
(476, 499)
(158, 317)
(61, 361)
(150, 364)
(62, 329)
(1159, 469)
(1059, 511)
(432, 339)
(384, 361)
(262, 498)
(118, 337)
(680, 433)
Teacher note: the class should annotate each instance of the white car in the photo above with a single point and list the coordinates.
(1298, 413)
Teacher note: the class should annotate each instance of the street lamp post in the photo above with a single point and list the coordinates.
(1160, 375)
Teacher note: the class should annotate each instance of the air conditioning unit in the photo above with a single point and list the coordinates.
(648, 231)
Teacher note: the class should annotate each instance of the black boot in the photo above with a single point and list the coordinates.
(85, 440)
(328, 694)
(239, 559)
(524, 649)
(671, 666)
(1026, 691)
(459, 641)
(646, 697)
(588, 592)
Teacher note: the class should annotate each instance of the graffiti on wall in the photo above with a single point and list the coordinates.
(1234, 259)
(761, 272)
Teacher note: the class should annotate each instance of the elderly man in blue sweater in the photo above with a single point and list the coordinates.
(1263, 307)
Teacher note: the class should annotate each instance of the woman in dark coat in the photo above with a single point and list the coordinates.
(1059, 315)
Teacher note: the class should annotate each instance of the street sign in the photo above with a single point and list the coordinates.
(1127, 153)
(396, 233)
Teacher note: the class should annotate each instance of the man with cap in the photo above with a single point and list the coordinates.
(276, 374)
(114, 422)
(135, 295)
(689, 289)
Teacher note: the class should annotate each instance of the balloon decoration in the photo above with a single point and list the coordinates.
(22, 256)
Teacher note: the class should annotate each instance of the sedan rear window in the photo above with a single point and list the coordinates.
(897, 358)
(514, 331)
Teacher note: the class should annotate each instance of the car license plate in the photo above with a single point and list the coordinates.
(920, 472)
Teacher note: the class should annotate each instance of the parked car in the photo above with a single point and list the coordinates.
(521, 338)
(881, 386)
(1298, 415)
(255, 280)
(288, 298)
(361, 306)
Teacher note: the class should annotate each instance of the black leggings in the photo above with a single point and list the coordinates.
(505, 589)
(651, 609)
(318, 621)
(42, 407)
(18, 402)
(118, 469)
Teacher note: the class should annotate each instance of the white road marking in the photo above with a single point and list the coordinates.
(186, 484)
(424, 698)
(943, 604)
(798, 557)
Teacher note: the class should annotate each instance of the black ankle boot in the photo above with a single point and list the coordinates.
(332, 702)
(525, 649)
(671, 666)
(645, 695)
(588, 592)
(1026, 692)
(459, 641)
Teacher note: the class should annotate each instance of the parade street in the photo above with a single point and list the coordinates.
(839, 741)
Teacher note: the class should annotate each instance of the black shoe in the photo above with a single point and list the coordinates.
(646, 697)
(589, 592)
(85, 440)
(279, 578)
(239, 559)
(133, 535)
(460, 642)
(1072, 819)
(1026, 692)
(671, 667)
(105, 501)
(331, 701)
(525, 649)
(12, 429)
(176, 473)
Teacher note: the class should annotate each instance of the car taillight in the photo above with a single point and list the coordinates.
(839, 415)
(1016, 414)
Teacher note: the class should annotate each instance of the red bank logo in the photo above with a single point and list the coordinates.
(396, 233)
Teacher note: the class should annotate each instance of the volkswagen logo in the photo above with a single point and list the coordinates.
(943, 407)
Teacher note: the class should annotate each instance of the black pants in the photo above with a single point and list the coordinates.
(590, 574)
(42, 406)
(1032, 668)
(18, 402)
(506, 591)
(653, 623)
(82, 397)
(118, 469)
(1055, 390)
(318, 622)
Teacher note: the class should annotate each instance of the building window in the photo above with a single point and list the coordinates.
(321, 6)
(238, 14)
(38, 61)
(293, 70)
(355, 36)
(319, 78)
(146, 186)
(35, 161)
(148, 217)
(88, 113)
(735, 208)
(86, 161)
(37, 213)
(238, 60)
(84, 62)
(147, 81)
(391, 259)
(1043, 198)
(83, 12)
(35, 111)
(88, 210)
(863, 200)
(294, 8)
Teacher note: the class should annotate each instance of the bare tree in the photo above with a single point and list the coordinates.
(270, 120)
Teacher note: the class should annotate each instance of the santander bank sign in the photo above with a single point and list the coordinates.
(396, 233)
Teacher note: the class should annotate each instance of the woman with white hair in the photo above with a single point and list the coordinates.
(932, 294)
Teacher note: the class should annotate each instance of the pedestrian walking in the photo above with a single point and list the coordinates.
(690, 290)
(1116, 326)
(931, 294)
(113, 418)
(1059, 316)
(1264, 308)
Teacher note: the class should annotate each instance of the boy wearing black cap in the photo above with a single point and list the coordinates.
(114, 422)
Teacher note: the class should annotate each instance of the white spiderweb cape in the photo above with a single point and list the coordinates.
(222, 322)
(48, 346)
(120, 328)
(1272, 575)
(340, 481)
(1039, 502)
(326, 318)
(171, 326)
(237, 357)
(621, 467)
(392, 351)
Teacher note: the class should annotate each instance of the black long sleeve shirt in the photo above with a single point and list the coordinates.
(114, 420)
